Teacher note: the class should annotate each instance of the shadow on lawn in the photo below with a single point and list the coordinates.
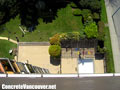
(55, 61)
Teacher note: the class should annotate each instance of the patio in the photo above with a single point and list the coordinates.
(37, 55)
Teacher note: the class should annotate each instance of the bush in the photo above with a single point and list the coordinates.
(76, 36)
(55, 50)
(55, 40)
(77, 12)
(101, 50)
(96, 16)
(91, 30)
(63, 36)
(87, 15)
(94, 5)
(73, 36)
(73, 5)
(101, 32)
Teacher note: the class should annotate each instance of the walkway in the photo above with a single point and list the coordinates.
(11, 40)
(114, 39)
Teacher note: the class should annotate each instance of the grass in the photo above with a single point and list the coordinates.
(64, 22)
(103, 12)
(109, 54)
(5, 46)
(107, 42)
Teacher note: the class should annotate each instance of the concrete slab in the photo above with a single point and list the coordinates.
(37, 55)
(99, 66)
(69, 65)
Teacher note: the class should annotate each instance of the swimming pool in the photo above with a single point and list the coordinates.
(85, 66)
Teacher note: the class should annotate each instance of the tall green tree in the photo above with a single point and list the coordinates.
(8, 9)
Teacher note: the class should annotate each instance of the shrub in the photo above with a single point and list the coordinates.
(63, 36)
(87, 15)
(71, 36)
(96, 16)
(91, 30)
(55, 40)
(101, 32)
(77, 12)
(94, 5)
(76, 36)
(55, 50)
(73, 5)
(101, 50)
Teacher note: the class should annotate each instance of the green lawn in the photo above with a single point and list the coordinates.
(109, 54)
(103, 12)
(5, 46)
(65, 21)
(107, 43)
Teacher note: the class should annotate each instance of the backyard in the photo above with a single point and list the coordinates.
(65, 21)
(71, 22)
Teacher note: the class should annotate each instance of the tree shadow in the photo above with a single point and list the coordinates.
(55, 61)
(2, 28)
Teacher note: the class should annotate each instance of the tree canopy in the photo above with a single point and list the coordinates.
(30, 10)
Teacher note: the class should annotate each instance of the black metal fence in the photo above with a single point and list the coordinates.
(82, 43)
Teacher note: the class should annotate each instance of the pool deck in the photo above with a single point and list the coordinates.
(37, 56)
(69, 65)
(99, 66)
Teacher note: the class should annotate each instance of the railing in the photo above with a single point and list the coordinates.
(34, 43)
(60, 75)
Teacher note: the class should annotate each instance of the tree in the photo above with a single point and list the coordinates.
(27, 10)
(55, 51)
(8, 10)
(91, 30)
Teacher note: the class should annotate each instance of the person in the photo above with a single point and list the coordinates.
(8, 38)
(79, 53)
(9, 35)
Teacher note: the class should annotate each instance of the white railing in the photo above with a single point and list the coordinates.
(60, 75)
